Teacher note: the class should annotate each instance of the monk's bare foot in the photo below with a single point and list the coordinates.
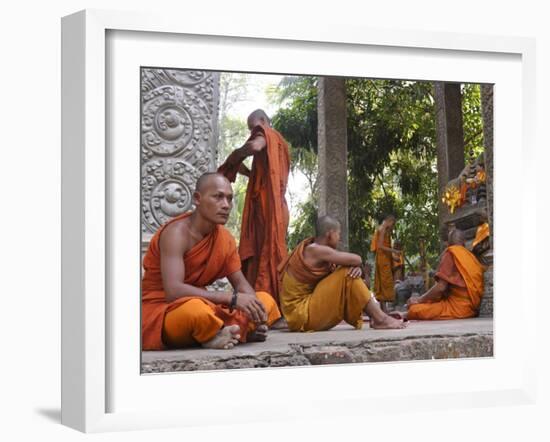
(279, 324)
(387, 323)
(258, 335)
(226, 338)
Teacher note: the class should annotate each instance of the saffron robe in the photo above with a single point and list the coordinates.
(383, 269)
(464, 275)
(262, 245)
(318, 298)
(212, 258)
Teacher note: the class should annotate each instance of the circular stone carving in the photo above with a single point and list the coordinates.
(175, 121)
(167, 189)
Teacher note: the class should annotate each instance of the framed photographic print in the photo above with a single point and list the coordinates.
(412, 130)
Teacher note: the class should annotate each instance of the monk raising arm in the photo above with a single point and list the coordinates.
(173, 246)
(251, 147)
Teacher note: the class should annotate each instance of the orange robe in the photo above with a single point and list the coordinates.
(482, 233)
(212, 258)
(318, 298)
(262, 244)
(464, 275)
(383, 269)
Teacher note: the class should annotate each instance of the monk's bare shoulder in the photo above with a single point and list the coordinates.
(176, 236)
(316, 254)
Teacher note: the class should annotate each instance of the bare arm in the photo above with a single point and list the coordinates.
(172, 248)
(251, 147)
(437, 291)
(332, 256)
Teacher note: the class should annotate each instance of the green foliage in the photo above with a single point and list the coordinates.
(472, 122)
(391, 156)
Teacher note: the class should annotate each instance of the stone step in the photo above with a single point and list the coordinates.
(421, 340)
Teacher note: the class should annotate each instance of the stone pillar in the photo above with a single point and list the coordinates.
(333, 152)
(449, 138)
(487, 114)
(486, 308)
(179, 134)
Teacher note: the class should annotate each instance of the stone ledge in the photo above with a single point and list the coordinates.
(470, 338)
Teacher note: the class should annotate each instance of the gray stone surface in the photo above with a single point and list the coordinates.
(179, 134)
(486, 306)
(487, 114)
(421, 340)
(333, 151)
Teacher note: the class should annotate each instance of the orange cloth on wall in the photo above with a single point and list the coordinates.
(464, 275)
(482, 233)
(262, 245)
(383, 269)
(318, 298)
(212, 258)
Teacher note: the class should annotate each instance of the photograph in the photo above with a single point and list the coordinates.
(299, 220)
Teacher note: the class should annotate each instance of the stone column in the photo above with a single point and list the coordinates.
(179, 134)
(487, 114)
(486, 307)
(449, 138)
(333, 152)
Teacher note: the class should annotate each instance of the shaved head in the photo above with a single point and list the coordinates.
(456, 237)
(206, 178)
(325, 224)
(256, 117)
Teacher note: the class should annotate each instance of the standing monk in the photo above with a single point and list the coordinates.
(383, 269)
(459, 287)
(262, 245)
(188, 253)
(321, 286)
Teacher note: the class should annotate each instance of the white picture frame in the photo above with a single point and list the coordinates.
(90, 172)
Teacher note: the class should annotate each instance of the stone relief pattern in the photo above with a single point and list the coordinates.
(178, 139)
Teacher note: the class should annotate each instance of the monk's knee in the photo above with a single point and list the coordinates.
(194, 310)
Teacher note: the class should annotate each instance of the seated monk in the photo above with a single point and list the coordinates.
(459, 285)
(316, 295)
(188, 253)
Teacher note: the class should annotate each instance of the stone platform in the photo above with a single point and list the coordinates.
(421, 340)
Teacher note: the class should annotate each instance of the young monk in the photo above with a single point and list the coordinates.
(398, 262)
(481, 241)
(383, 274)
(188, 253)
(459, 287)
(262, 245)
(317, 295)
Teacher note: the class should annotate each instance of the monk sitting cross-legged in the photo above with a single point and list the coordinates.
(315, 295)
(188, 253)
(459, 287)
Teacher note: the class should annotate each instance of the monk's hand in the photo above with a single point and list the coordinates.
(413, 300)
(251, 305)
(354, 272)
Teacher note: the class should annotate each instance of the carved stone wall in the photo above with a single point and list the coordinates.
(179, 135)
(333, 152)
